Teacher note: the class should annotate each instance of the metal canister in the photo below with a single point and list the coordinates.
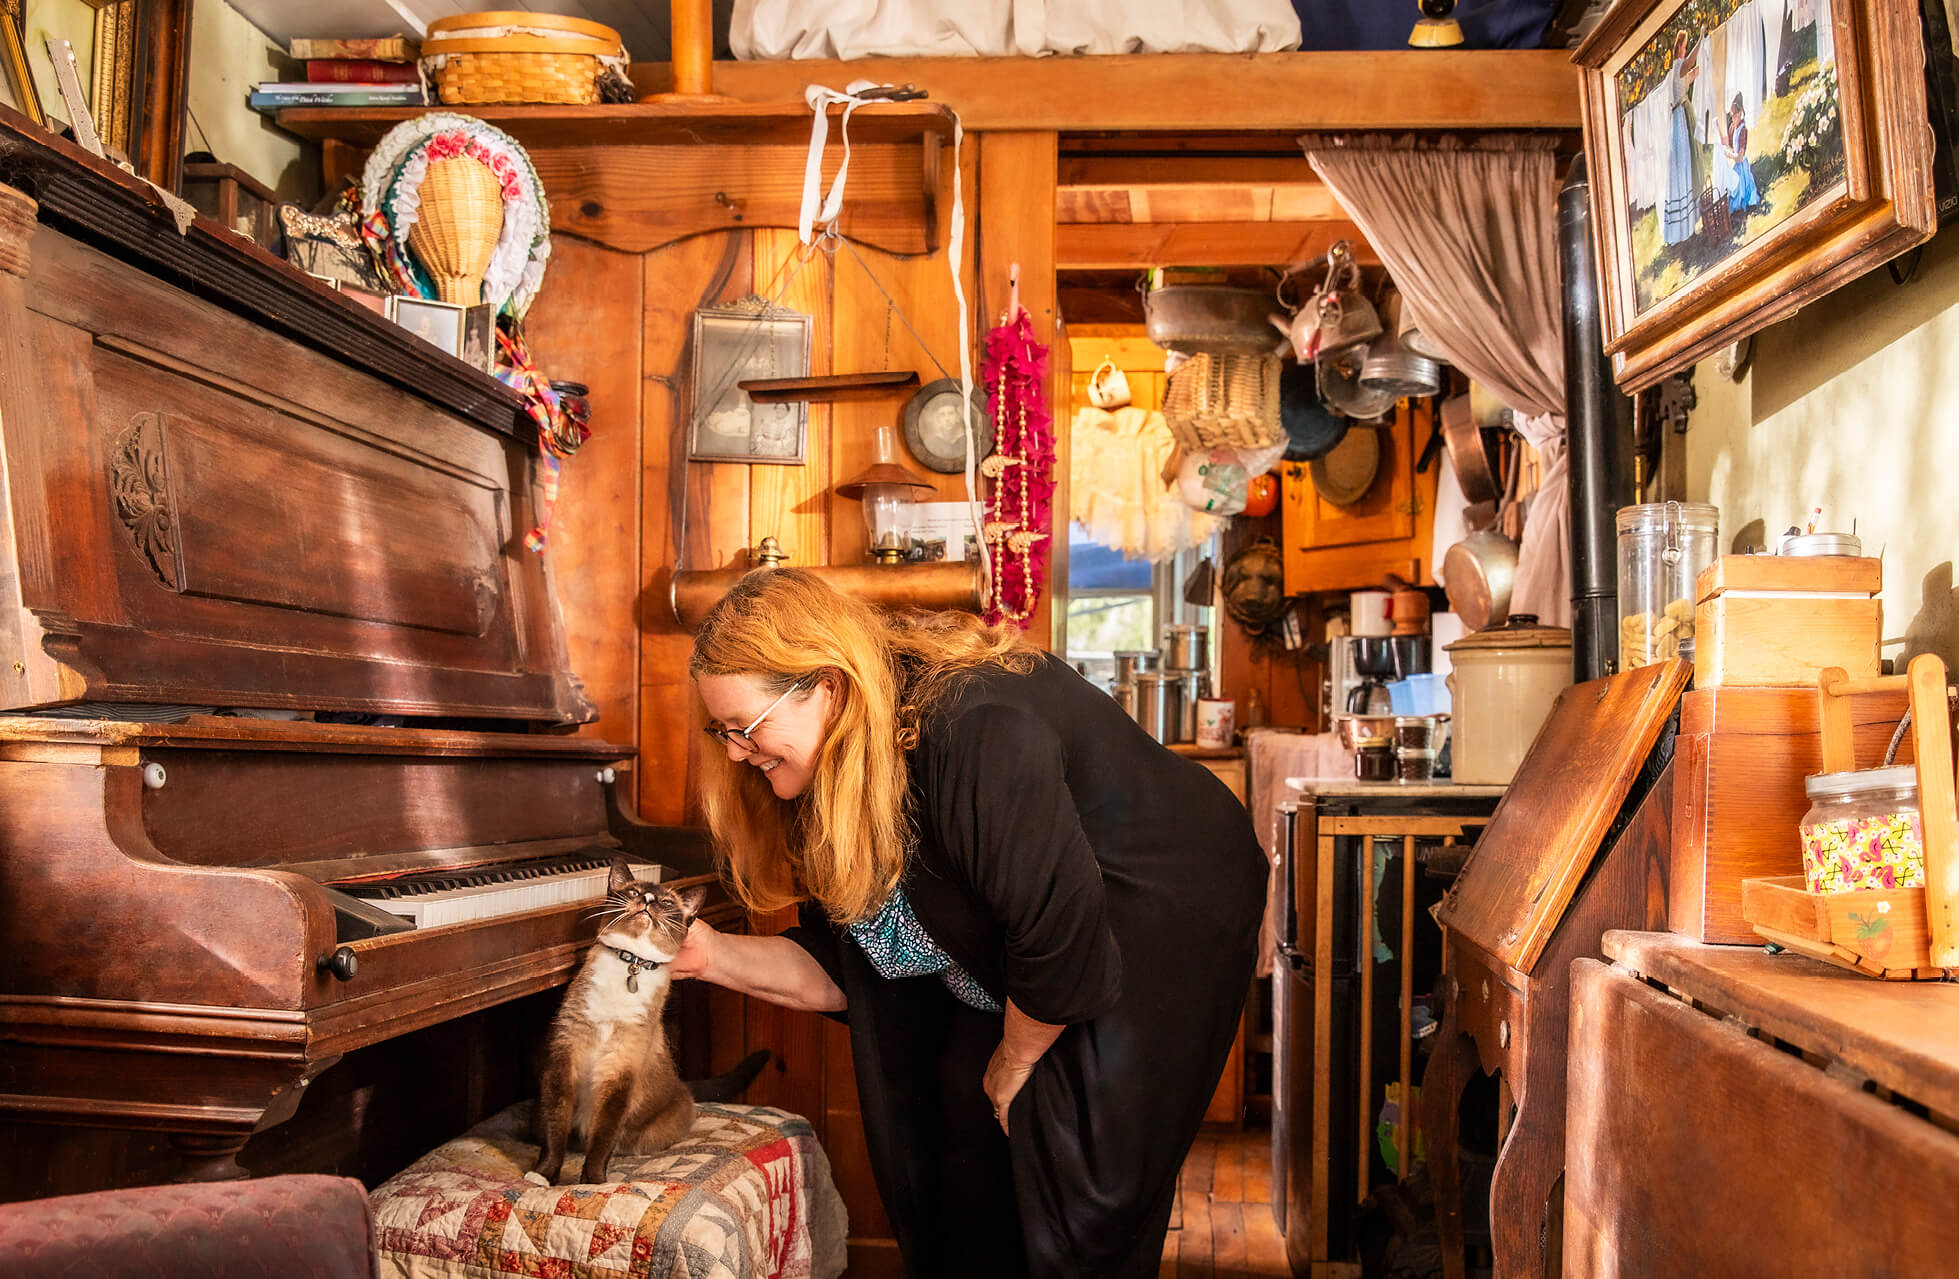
(1159, 704)
(1196, 686)
(1125, 695)
(1133, 662)
(1188, 647)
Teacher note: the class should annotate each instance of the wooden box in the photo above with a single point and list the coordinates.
(1776, 621)
(1740, 761)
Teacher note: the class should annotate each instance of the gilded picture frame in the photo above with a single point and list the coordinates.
(1745, 158)
(21, 95)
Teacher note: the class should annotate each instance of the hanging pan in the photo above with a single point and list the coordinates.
(1469, 455)
(1311, 430)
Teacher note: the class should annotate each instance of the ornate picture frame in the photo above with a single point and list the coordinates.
(1746, 157)
(747, 340)
(21, 94)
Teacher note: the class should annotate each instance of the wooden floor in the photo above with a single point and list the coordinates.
(1223, 1225)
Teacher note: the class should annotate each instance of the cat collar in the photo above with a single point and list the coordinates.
(634, 964)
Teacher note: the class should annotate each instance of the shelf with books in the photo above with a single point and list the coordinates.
(634, 176)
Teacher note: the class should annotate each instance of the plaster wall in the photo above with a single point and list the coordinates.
(1851, 405)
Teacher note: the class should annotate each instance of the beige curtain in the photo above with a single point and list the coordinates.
(1468, 231)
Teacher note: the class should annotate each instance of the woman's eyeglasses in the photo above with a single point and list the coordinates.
(739, 737)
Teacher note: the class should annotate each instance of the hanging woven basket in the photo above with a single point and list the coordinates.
(1223, 400)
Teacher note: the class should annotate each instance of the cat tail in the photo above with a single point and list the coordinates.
(731, 1084)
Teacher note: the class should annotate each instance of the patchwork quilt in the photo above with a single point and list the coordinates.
(747, 1195)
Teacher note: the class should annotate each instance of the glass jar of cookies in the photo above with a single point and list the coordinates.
(1663, 546)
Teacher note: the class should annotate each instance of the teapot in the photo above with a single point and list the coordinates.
(1336, 318)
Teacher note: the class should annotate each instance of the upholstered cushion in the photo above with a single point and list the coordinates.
(747, 1193)
(291, 1227)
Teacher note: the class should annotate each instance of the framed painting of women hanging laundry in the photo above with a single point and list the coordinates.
(1746, 157)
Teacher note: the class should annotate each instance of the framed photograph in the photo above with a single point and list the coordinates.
(736, 344)
(1745, 158)
(440, 324)
(480, 337)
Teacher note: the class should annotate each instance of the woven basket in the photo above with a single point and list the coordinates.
(457, 229)
(480, 59)
(1223, 400)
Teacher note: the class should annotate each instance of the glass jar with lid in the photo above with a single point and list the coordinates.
(1863, 830)
(1663, 546)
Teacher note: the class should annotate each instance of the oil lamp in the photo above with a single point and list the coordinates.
(889, 492)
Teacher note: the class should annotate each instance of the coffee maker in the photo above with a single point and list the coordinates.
(1362, 667)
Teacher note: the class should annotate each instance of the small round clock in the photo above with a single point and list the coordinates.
(934, 431)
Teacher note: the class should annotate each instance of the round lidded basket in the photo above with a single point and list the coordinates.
(504, 56)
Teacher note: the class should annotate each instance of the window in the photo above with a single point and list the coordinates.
(1115, 604)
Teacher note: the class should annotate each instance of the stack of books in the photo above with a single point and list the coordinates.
(348, 73)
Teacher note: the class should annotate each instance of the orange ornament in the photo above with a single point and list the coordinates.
(1262, 495)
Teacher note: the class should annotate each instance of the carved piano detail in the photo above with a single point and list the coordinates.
(227, 488)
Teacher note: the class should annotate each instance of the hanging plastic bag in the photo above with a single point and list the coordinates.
(1213, 481)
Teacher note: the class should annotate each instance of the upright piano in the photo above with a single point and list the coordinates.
(277, 673)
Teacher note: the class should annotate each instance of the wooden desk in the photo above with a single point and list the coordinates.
(1734, 1113)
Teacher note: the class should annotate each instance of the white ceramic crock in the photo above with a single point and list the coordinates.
(1502, 684)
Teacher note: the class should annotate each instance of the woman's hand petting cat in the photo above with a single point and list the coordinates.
(695, 958)
(1006, 1073)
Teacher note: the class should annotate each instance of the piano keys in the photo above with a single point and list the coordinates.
(488, 892)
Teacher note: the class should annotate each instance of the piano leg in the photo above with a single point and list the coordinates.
(209, 1156)
(1442, 1088)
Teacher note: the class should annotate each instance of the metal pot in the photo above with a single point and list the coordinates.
(1160, 704)
(1132, 662)
(1187, 647)
(1480, 571)
(1400, 373)
(1208, 317)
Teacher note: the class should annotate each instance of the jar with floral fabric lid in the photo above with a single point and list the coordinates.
(1863, 830)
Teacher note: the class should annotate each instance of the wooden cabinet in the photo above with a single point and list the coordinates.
(1733, 1113)
(1340, 548)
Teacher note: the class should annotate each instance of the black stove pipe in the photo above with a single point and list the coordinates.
(1598, 431)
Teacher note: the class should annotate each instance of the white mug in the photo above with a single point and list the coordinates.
(1216, 720)
(1368, 613)
(1108, 388)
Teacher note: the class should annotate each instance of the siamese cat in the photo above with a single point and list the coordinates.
(609, 1075)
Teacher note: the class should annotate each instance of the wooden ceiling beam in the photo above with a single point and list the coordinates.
(1187, 170)
(1172, 92)
(1101, 246)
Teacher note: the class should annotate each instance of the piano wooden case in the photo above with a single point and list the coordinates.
(227, 487)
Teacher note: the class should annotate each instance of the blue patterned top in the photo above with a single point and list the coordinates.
(898, 946)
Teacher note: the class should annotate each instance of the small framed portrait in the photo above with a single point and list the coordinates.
(734, 344)
(480, 337)
(439, 324)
